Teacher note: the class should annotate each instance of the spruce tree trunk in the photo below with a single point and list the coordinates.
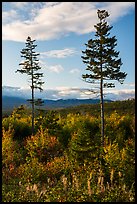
(32, 101)
(102, 112)
(101, 94)
(32, 108)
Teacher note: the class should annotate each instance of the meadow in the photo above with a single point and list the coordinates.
(64, 160)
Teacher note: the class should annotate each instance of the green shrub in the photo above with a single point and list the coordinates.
(120, 161)
(21, 127)
(49, 121)
(85, 141)
(119, 128)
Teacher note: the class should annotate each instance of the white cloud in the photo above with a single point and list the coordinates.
(121, 94)
(67, 93)
(53, 20)
(48, 4)
(16, 91)
(74, 71)
(19, 5)
(128, 85)
(118, 9)
(8, 15)
(56, 68)
(59, 53)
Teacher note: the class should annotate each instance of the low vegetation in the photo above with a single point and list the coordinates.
(64, 161)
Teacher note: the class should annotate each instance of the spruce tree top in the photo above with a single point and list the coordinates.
(100, 55)
(30, 65)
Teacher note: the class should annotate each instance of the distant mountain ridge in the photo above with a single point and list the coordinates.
(9, 102)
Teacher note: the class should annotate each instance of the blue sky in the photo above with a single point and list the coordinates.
(61, 30)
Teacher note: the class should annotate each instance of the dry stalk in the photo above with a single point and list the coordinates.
(64, 181)
(75, 182)
(88, 183)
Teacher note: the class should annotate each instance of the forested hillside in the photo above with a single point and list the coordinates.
(75, 106)
(64, 160)
(10, 102)
(122, 107)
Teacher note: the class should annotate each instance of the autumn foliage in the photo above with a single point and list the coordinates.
(68, 164)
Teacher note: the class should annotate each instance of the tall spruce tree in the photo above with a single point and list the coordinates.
(30, 66)
(102, 61)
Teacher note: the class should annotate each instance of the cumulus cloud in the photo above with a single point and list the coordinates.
(53, 20)
(68, 93)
